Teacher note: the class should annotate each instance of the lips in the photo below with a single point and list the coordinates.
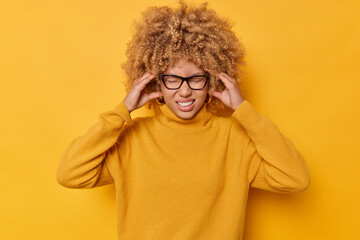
(186, 104)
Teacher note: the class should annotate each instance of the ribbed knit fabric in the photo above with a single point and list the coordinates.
(181, 179)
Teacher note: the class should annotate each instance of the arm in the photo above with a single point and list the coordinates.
(93, 160)
(84, 164)
(275, 165)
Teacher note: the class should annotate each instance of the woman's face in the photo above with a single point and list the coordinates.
(184, 102)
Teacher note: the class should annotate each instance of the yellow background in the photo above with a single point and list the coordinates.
(60, 68)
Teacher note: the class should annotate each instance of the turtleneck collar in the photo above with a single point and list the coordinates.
(167, 117)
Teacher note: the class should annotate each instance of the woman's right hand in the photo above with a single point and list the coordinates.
(137, 97)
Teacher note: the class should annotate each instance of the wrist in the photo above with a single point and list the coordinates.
(128, 107)
(238, 105)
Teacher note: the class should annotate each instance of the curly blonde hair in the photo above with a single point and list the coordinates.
(195, 34)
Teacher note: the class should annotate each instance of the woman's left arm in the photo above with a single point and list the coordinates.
(275, 164)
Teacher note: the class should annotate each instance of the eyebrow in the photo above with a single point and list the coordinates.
(198, 73)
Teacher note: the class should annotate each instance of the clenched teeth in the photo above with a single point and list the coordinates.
(184, 104)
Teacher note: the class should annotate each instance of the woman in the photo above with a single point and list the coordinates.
(184, 173)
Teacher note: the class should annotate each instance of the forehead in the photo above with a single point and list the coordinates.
(183, 67)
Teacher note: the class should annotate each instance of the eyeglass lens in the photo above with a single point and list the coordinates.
(196, 82)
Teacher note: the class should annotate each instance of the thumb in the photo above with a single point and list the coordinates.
(154, 95)
(215, 94)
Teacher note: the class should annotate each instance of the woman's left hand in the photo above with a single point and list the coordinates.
(231, 96)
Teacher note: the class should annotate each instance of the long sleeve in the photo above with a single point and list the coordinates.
(84, 164)
(275, 164)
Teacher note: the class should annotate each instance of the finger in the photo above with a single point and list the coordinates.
(154, 95)
(140, 85)
(142, 77)
(228, 82)
(216, 94)
(145, 97)
(146, 80)
(228, 77)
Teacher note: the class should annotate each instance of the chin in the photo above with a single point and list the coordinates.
(186, 115)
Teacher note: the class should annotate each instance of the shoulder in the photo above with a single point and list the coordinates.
(228, 123)
(222, 120)
(139, 123)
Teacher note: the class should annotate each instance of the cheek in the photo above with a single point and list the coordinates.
(203, 94)
(163, 89)
(167, 94)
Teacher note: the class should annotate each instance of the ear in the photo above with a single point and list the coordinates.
(160, 100)
(208, 98)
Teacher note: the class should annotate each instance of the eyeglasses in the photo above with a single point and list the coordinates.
(174, 82)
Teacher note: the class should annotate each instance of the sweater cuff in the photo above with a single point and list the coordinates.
(123, 112)
(247, 115)
(120, 111)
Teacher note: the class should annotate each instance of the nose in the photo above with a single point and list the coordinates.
(184, 90)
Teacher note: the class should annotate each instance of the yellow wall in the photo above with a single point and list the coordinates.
(60, 68)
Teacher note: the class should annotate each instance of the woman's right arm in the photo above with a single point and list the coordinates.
(85, 163)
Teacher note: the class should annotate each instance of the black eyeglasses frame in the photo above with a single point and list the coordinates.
(184, 79)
